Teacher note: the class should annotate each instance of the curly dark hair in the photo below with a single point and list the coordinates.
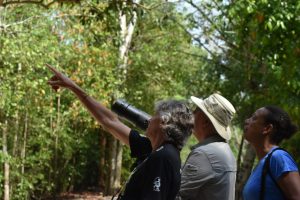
(177, 121)
(283, 126)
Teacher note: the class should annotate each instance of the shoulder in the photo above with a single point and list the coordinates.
(166, 152)
(136, 136)
(165, 158)
(166, 155)
(218, 154)
(209, 152)
(197, 168)
(282, 162)
(197, 161)
(280, 152)
(217, 148)
(199, 154)
(282, 157)
(140, 145)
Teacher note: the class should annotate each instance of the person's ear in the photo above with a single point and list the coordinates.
(268, 129)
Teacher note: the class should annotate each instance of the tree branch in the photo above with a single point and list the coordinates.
(207, 18)
(150, 7)
(194, 55)
(39, 2)
(6, 3)
(4, 27)
(17, 23)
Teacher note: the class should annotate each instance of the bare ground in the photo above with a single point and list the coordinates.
(83, 196)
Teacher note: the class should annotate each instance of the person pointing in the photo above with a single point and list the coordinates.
(157, 175)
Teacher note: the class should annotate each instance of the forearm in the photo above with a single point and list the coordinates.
(99, 111)
(103, 115)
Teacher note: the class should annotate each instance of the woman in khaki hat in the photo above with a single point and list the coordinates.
(209, 172)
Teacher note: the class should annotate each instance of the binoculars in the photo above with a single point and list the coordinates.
(132, 114)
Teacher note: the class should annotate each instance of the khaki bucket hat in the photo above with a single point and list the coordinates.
(220, 112)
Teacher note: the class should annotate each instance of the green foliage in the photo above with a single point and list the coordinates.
(45, 128)
(267, 42)
(53, 143)
(257, 56)
(161, 64)
(252, 54)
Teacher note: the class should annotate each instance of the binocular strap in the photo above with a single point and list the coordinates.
(120, 192)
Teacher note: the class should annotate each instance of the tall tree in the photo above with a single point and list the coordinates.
(6, 165)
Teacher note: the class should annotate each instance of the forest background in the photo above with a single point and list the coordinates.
(141, 51)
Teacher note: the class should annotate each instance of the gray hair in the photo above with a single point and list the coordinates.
(177, 121)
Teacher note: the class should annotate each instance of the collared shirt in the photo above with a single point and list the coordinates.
(209, 172)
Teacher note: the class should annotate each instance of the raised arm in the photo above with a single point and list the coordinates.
(102, 114)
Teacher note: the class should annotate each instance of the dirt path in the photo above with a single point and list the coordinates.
(83, 196)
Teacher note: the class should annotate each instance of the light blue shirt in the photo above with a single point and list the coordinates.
(281, 162)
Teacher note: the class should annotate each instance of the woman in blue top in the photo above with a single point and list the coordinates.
(264, 130)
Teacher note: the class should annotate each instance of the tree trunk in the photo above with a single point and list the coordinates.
(118, 164)
(113, 159)
(6, 164)
(102, 162)
(51, 133)
(56, 131)
(23, 153)
(126, 37)
(240, 153)
(115, 146)
(15, 144)
(244, 170)
(110, 166)
(113, 167)
(6, 191)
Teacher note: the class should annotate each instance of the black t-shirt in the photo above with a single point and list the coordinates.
(157, 175)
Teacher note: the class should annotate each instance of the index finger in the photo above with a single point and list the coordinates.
(53, 69)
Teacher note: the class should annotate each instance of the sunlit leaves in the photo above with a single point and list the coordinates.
(32, 38)
(261, 61)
